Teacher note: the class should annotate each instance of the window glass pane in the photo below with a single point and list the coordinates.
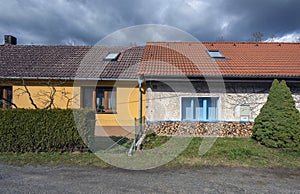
(99, 98)
(105, 99)
(109, 100)
(199, 109)
(1, 96)
(112, 100)
(186, 109)
(88, 97)
(212, 109)
(215, 54)
(9, 96)
(112, 56)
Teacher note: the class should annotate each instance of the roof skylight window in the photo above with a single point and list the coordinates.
(215, 54)
(112, 56)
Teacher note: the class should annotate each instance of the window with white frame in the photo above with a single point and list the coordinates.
(199, 108)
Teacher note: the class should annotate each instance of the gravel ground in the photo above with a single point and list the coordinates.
(43, 179)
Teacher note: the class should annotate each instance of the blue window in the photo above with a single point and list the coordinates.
(199, 108)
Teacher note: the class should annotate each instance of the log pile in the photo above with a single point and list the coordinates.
(199, 129)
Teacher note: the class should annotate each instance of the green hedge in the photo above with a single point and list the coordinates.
(23, 130)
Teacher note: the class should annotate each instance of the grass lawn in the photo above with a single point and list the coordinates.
(52, 159)
(235, 152)
(244, 152)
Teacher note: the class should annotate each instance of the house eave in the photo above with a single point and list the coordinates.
(219, 78)
(66, 78)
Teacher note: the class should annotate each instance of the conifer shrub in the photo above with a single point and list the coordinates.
(278, 123)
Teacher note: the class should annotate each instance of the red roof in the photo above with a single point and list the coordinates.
(241, 59)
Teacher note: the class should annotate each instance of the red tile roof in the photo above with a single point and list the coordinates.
(241, 59)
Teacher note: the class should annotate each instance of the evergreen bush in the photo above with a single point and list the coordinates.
(278, 123)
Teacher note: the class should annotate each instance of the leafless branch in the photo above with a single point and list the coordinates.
(65, 95)
(45, 98)
(8, 101)
(51, 98)
(29, 94)
(257, 36)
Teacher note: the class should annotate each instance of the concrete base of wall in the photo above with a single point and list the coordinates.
(198, 129)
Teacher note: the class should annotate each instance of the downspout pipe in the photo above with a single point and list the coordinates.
(141, 80)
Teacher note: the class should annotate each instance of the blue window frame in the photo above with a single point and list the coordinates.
(199, 108)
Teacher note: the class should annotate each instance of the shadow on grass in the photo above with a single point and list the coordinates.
(109, 143)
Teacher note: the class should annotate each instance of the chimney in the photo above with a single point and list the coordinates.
(10, 40)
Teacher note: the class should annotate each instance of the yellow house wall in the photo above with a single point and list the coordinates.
(127, 100)
(127, 108)
(41, 96)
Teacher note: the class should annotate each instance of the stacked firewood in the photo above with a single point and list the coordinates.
(200, 129)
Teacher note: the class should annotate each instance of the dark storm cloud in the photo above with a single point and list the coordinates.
(271, 17)
(87, 21)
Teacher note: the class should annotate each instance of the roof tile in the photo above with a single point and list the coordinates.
(241, 59)
(68, 62)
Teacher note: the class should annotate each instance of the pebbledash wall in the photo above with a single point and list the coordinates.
(238, 104)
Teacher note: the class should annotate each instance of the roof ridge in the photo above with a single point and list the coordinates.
(240, 42)
(225, 42)
(70, 46)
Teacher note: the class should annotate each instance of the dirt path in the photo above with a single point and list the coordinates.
(42, 179)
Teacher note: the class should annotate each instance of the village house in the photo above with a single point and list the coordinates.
(193, 87)
(102, 78)
(168, 83)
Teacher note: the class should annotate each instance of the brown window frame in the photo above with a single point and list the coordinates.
(99, 95)
(109, 104)
(5, 104)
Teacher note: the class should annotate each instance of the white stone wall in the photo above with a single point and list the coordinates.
(233, 102)
(297, 100)
(163, 104)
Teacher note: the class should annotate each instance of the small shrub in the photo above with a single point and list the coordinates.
(278, 124)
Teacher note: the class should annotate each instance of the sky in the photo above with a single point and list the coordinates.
(85, 22)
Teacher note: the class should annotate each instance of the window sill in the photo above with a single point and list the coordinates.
(202, 121)
(98, 112)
